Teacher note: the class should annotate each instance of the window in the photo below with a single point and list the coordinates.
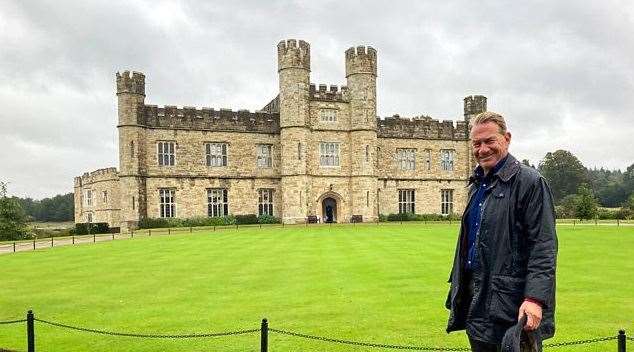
(406, 201)
(428, 159)
(88, 198)
(167, 203)
(406, 158)
(217, 202)
(265, 201)
(328, 154)
(264, 155)
(89, 217)
(104, 196)
(328, 115)
(216, 154)
(367, 198)
(165, 152)
(446, 201)
(367, 153)
(446, 160)
(299, 151)
(133, 203)
(132, 149)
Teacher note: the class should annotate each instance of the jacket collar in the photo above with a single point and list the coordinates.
(508, 170)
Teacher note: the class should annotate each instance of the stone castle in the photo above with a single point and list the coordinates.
(313, 152)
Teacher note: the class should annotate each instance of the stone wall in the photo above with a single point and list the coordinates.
(104, 207)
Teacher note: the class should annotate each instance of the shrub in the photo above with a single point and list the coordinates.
(419, 217)
(246, 219)
(152, 223)
(382, 218)
(268, 219)
(91, 228)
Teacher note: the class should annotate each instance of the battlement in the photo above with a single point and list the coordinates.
(328, 93)
(109, 173)
(474, 104)
(131, 82)
(360, 60)
(292, 55)
(209, 119)
(423, 127)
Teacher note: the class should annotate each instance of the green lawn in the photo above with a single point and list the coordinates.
(382, 284)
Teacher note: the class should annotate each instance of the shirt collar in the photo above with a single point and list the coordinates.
(479, 172)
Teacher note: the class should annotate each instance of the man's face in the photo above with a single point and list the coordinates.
(489, 145)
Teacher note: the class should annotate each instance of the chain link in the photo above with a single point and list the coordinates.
(149, 336)
(12, 321)
(368, 344)
(580, 342)
(629, 338)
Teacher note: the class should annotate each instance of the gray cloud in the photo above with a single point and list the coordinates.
(560, 71)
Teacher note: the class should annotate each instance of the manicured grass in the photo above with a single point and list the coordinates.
(382, 284)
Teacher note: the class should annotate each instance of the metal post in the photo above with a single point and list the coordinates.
(190, 229)
(618, 222)
(33, 244)
(150, 232)
(214, 227)
(30, 331)
(73, 239)
(13, 247)
(94, 238)
(621, 341)
(52, 241)
(264, 336)
(113, 236)
(131, 233)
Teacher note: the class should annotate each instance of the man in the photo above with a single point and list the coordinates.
(504, 266)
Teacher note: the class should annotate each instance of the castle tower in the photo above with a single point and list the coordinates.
(361, 73)
(293, 58)
(473, 105)
(130, 98)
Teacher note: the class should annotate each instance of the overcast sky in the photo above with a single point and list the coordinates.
(560, 71)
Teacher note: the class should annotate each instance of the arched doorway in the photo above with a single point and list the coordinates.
(329, 209)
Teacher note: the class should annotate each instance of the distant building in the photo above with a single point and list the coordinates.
(312, 150)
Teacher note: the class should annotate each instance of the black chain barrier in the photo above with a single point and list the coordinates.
(579, 342)
(630, 338)
(369, 344)
(6, 322)
(150, 336)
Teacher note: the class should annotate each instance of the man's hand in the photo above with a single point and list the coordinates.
(533, 312)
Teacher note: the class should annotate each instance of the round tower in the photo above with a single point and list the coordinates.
(361, 76)
(361, 73)
(131, 100)
(293, 58)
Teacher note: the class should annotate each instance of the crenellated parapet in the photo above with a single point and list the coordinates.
(293, 54)
(423, 127)
(106, 174)
(209, 119)
(328, 93)
(360, 60)
(131, 82)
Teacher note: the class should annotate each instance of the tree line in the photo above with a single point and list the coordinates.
(579, 191)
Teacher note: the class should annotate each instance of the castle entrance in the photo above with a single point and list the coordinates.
(329, 209)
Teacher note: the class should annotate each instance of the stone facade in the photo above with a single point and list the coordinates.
(330, 155)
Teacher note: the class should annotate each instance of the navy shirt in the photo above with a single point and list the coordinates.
(474, 212)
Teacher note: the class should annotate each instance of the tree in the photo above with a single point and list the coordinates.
(527, 163)
(586, 203)
(564, 173)
(12, 217)
(568, 207)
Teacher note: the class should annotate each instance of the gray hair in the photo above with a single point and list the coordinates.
(490, 116)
